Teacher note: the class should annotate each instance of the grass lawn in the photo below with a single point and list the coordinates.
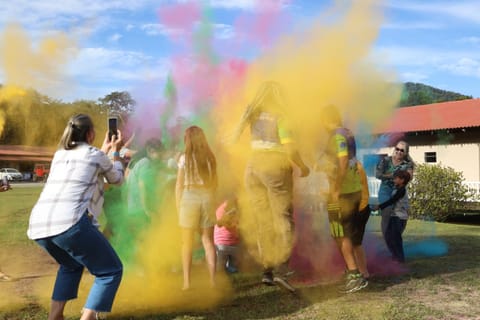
(442, 286)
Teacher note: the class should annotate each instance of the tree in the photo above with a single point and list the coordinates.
(436, 192)
(118, 103)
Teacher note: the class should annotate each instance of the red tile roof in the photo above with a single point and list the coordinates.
(26, 153)
(436, 116)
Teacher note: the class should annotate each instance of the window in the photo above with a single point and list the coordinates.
(430, 157)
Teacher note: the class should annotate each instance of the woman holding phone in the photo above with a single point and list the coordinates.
(64, 219)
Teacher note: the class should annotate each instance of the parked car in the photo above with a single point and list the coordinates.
(11, 174)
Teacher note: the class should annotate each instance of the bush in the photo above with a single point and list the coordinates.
(436, 192)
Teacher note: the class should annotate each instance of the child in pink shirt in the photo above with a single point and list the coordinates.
(225, 235)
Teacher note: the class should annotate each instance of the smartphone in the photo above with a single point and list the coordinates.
(112, 127)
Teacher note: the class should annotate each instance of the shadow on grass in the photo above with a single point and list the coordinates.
(252, 300)
(269, 304)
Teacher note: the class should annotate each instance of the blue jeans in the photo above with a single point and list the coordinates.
(83, 245)
(227, 257)
(393, 238)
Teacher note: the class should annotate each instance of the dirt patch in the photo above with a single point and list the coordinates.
(29, 266)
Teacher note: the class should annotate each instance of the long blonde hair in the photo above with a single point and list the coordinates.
(269, 97)
(198, 152)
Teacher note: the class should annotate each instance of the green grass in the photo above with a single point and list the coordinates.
(15, 206)
(442, 287)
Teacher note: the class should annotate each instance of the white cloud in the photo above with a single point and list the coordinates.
(429, 60)
(129, 27)
(85, 16)
(221, 31)
(413, 76)
(466, 10)
(39, 10)
(471, 40)
(115, 37)
(405, 56)
(249, 4)
(155, 29)
(415, 25)
(99, 71)
(464, 67)
(234, 4)
(421, 56)
(102, 64)
(224, 31)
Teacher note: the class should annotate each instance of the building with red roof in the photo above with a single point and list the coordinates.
(450, 115)
(25, 158)
(446, 133)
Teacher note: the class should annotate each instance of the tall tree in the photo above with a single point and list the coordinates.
(118, 102)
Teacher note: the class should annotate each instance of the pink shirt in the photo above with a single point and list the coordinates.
(222, 235)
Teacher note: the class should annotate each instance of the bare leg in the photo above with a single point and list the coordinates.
(88, 314)
(208, 245)
(346, 249)
(56, 310)
(187, 244)
(361, 260)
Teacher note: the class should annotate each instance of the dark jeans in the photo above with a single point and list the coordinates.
(226, 257)
(83, 245)
(393, 237)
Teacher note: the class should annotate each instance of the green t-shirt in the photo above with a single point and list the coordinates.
(351, 182)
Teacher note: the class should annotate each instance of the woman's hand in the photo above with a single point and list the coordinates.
(106, 145)
(115, 143)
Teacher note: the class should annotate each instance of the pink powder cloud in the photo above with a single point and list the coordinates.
(180, 16)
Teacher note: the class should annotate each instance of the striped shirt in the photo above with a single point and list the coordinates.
(74, 186)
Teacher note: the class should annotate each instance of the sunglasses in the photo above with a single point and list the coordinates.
(398, 149)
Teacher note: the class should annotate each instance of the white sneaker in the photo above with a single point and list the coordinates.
(284, 284)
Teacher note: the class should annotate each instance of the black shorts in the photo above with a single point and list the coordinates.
(360, 220)
(341, 216)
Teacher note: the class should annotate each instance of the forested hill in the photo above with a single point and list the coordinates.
(417, 94)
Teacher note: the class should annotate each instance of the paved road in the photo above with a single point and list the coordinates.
(26, 184)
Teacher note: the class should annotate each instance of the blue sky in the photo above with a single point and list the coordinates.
(121, 45)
